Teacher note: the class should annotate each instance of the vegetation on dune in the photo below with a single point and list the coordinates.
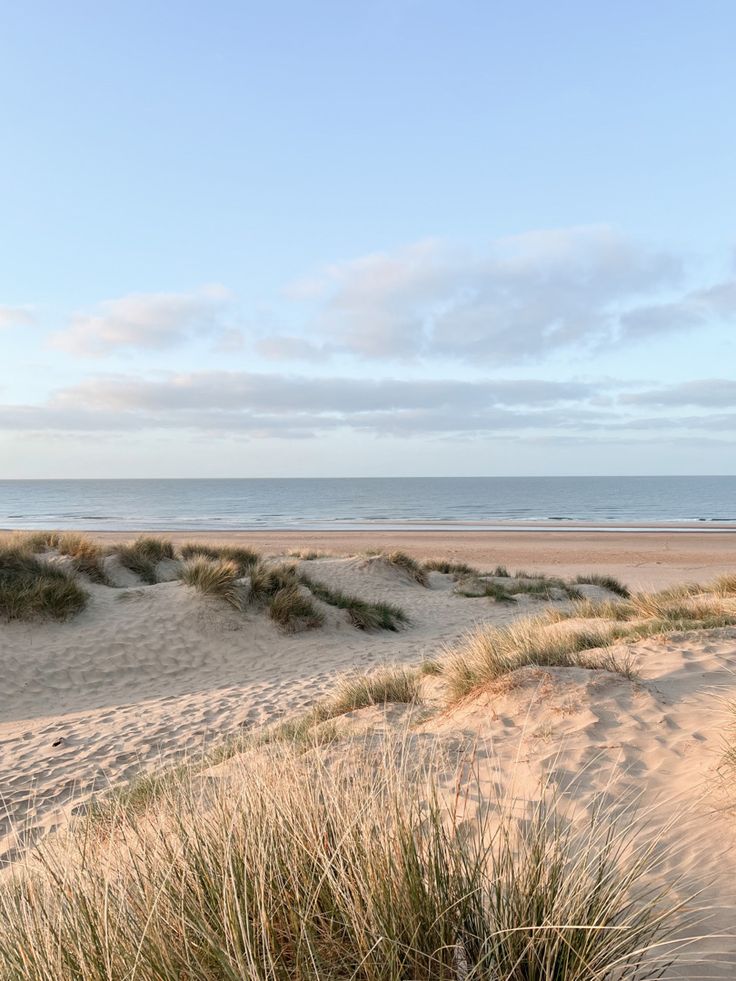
(309, 554)
(449, 568)
(679, 608)
(294, 610)
(489, 653)
(402, 561)
(35, 541)
(245, 558)
(143, 555)
(33, 589)
(363, 614)
(610, 583)
(213, 577)
(86, 556)
(352, 873)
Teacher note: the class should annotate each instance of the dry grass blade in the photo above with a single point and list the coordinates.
(450, 568)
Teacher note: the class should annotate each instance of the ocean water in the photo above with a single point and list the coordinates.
(360, 503)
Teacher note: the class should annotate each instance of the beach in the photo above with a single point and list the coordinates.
(643, 559)
(153, 672)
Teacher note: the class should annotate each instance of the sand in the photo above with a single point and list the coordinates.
(148, 673)
(644, 560)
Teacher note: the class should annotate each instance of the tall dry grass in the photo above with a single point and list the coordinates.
(295, 871)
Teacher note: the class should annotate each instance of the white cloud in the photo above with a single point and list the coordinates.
(146, 320)
(522, 298)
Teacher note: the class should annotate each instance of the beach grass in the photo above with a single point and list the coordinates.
(294, 610)
(245, 558)
(354, 872)
(213, 577)
(489, 653)
(610, 583)
(363, 614)
(403, 561)
(449, 568)
(31, 589)
(143, 555)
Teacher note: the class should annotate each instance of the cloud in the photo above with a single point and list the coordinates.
(706, 393)
(15, 317)
(145, 320)
(520, 299)
(255, 405)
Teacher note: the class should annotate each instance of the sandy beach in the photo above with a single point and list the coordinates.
(644, 560)
(148, 674)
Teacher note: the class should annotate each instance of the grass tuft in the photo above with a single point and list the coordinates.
(293, 610)
(456, 569)
(213, 578)
(142, 556)
(32, 589)
(402, 561)
(363, 614)
(490, 653)
(267, 580)
(245, 558)
(610, 583)
(86, 556)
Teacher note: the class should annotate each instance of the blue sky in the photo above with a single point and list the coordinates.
(408, 237)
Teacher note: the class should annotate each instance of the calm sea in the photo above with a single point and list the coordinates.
(360, 503)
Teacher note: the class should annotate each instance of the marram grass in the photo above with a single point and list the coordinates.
(341, 873)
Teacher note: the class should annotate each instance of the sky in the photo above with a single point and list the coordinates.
(396, 237)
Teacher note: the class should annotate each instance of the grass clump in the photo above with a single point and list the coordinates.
(610, 583)
(245, 558)
(456, 569)
(354, 873)
(489, 653)
(362, 614)
(86, 556)
(400, 560)
(267, 580)
(32, 589)
(679, 608)
(308, 554)
(293, 610)
(473, 588)
(387, 684)
(724, 586)
(143, 555)
(35, 541)
(213, 578)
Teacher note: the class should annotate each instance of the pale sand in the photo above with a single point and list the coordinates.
(644, 560)
(146, 673)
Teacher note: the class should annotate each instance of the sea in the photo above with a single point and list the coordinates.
(365, 503)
